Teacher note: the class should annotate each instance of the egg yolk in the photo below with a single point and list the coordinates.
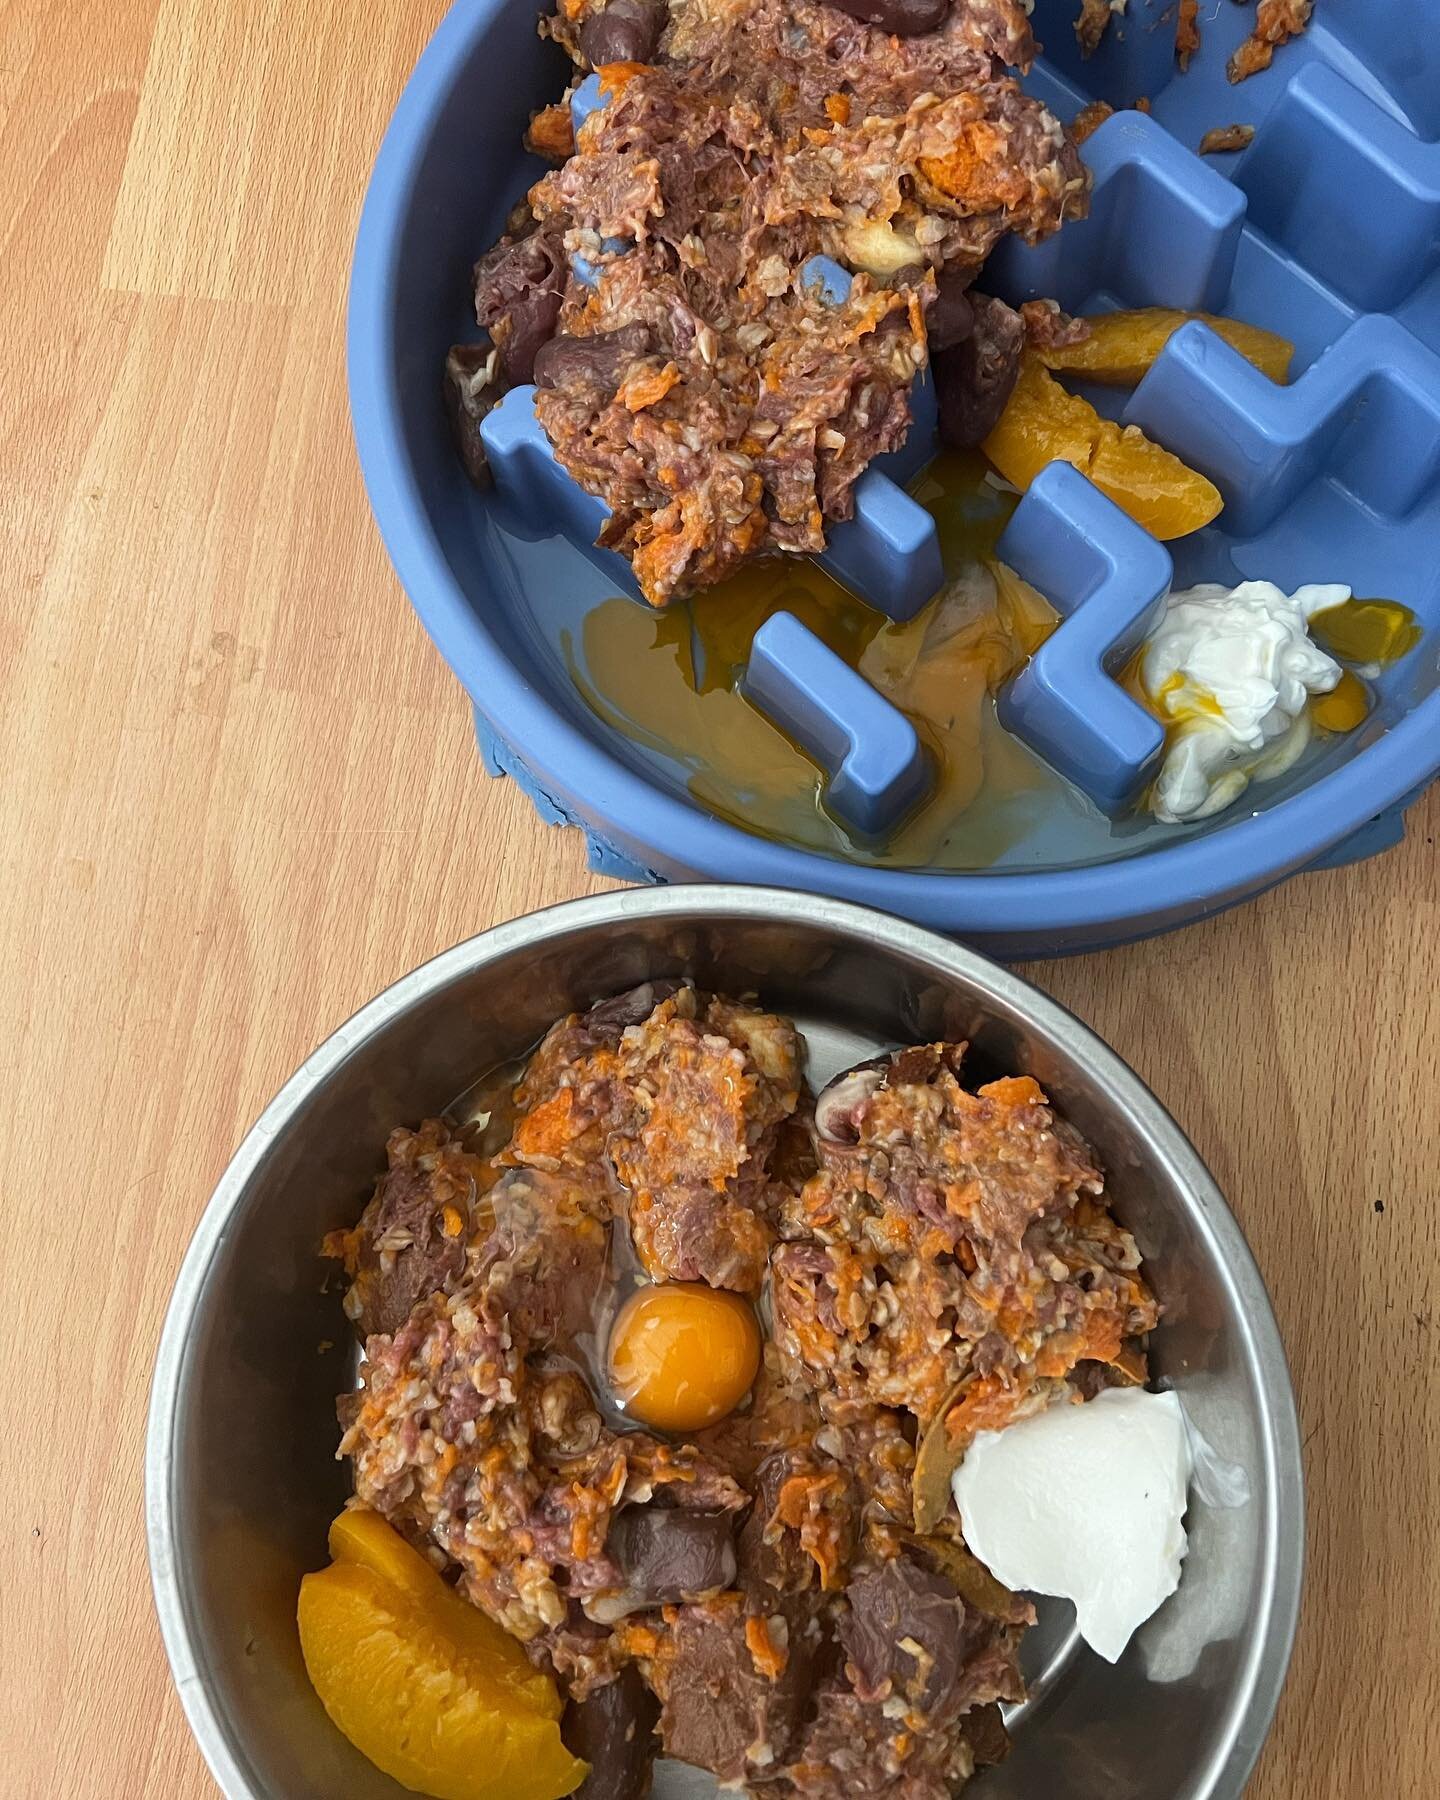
(1344, 707)
(682, 1355)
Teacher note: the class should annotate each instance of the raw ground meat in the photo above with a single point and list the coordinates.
(959, 1236)
(683, 1109)
(722, 407)
(411, 1238)
(762, 1601)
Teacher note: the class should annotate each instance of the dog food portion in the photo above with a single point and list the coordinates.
(668, 1366)
(660, 289)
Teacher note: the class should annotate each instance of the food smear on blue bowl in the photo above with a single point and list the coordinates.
(764, 220)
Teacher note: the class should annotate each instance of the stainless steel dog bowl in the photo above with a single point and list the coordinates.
(241, 1474)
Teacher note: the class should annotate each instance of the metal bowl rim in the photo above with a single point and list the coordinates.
(1261, 1674)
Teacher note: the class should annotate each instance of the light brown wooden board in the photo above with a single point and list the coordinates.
(240, 795)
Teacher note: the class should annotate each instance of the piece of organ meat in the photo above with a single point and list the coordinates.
(667, 1554)
(625, 31)
(951, 317)
(964, 1659)
(976, 377)
(593, 364)
(718, 1710)
(519, 286)
(614, 1731)
(632, 1007)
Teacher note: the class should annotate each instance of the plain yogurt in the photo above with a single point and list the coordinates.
(1085, 1502)
(1230, 672)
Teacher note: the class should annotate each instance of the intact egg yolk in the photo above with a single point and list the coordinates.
(682, 1355)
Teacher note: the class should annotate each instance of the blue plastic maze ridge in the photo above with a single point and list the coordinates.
(1107, 578)
(1147, 189)
(1367, 411)
(875, 765)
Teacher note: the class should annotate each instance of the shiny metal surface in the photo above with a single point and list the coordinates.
(241, 1479)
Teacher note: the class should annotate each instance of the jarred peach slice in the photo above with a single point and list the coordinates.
(361, 1536)
(421, 1683)
(1122, 346)
(1043, 424)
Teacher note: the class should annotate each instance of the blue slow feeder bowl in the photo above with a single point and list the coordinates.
(1327, 230)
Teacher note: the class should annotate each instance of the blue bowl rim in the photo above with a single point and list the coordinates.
(1203, 874)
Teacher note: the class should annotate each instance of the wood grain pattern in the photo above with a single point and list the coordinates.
(240, 795)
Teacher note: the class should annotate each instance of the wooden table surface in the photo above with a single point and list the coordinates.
(240, 795)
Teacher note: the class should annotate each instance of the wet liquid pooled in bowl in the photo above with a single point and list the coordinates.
(669, 682)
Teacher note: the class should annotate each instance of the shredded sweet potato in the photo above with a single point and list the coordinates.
(1089, 119)
(1276, 22)
(551, 133)
(646, 387)
(769, 1657)
(1187, 32)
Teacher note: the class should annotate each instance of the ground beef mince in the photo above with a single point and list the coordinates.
(718, 401)
(549, 1244)
(411, 1239)
(859, 1750)
(771, 1600)
(711, 1089)
(957, 1240)
(682, 1110)
(908, 1634)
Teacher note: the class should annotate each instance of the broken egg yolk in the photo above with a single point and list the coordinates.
(683, 1355)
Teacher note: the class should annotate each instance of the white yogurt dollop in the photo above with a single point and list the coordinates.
(1085, 1502)
(1229, 671)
